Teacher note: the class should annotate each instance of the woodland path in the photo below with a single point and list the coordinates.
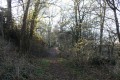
(56, 68)
(59, 71)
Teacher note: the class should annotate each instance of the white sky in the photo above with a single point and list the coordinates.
(3, 3)
(64, 4)
(52, 9)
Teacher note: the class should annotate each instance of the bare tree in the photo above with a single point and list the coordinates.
(79, 17)
(102, 20)
(113, 6)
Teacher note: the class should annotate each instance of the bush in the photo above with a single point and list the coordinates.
(102, 61)
(14, 36)
(38, 47)
(83, 52)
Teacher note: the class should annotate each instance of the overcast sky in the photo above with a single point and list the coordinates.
(64, 4)
(52, 10)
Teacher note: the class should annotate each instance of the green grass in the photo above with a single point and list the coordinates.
(43, 65)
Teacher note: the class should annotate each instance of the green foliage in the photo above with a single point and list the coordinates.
(82, 52)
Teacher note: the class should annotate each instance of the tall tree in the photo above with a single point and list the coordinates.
(79, 17)
(23, 29)
(34, 16)
(102, 20)
(112, 5)
(1, 23)
(9, 14)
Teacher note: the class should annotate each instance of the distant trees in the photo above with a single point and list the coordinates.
(88, 35)
(80, 22)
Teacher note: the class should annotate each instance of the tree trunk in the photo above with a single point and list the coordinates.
(34, 16)
(9, 14)
(23, 29)
(32, 26)
(1, 24)
(76, 22)
(102, 15)
(117, 25)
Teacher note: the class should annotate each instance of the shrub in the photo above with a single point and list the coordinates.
(102, 61)
(38, 47)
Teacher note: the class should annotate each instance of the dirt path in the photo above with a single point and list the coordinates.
(58, 71)
(53, 52)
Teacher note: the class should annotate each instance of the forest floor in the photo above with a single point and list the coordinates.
(63, 69)
(59, 70)
(53, 69)
(50, 68)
